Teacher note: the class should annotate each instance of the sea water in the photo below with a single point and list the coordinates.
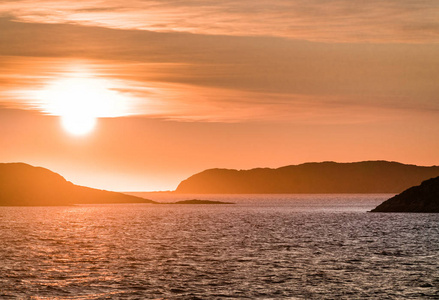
(262, 247)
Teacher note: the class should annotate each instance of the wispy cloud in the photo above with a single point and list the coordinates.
(179, 101)
(406, 21)
(182, 76)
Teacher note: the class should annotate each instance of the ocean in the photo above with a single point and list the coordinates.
(262, 247)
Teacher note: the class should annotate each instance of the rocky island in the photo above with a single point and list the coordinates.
(420, 199)
(24, 185)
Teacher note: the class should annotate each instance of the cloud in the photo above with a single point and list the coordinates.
(261, 64)
(25, 85)
(406, 21)
(193, 77)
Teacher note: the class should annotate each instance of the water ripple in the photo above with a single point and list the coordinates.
(243, 251)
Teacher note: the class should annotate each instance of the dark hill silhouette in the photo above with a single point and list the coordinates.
(23, 184)
(314, 178)
(423, 198)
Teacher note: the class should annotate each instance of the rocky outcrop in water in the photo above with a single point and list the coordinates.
(197, 201)
(313, 178)
(420, 199)
(24, 185)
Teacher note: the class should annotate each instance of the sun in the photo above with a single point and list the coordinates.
(78, 124)
(80, 100)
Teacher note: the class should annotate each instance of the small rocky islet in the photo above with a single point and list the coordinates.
(198, 201)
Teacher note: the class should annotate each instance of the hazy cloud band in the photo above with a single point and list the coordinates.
(406, 21)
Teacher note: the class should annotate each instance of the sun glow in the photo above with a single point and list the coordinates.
(78, 124)
(81, 100)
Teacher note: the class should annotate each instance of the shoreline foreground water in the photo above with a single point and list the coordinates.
(264, 246)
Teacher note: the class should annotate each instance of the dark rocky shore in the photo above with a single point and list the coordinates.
(423, 198)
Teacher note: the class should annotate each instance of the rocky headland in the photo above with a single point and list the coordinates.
(423, 198)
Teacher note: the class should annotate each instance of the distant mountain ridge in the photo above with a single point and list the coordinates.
(24, 185)
(312, 178)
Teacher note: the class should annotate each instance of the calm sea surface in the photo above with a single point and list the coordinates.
(264, 246)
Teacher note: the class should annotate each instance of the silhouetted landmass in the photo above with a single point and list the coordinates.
(25, 185)
(196, 201)
(313, 178)
(421, 199)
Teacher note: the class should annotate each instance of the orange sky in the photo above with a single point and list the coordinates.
(181, 86)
